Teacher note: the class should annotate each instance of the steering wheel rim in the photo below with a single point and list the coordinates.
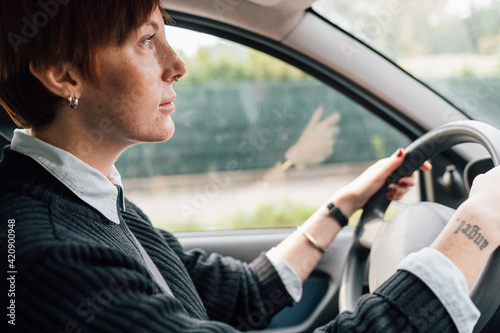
(484, 294)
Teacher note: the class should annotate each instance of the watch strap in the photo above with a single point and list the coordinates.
(337, 214)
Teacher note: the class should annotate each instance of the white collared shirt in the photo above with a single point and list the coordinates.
(85, 182)
(447, 282)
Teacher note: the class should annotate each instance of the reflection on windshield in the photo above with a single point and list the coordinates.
(453, 46)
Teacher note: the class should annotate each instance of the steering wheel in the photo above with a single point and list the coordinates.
(485, 293)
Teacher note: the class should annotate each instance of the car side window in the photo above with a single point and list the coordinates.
(258, 143)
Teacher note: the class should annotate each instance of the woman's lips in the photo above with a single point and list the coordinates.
(168, 105)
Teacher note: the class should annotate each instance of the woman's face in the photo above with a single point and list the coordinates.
(135, 98)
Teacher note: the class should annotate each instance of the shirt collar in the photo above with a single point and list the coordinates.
(103, 194)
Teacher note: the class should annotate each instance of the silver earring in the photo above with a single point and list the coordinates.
(72, 102)
(176, 78)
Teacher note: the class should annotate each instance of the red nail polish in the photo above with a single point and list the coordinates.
(400, 152)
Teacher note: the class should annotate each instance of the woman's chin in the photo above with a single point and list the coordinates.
(169, 129)
(170, 133)
(166, 132)
(155, 133)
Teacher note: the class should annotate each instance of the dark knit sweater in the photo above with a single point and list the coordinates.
(79, 272)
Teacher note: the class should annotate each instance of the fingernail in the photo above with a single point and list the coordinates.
(400, 152)
(403, 183)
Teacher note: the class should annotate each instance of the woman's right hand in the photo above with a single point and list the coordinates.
(473, 232)
(484, 199)
(356, 194)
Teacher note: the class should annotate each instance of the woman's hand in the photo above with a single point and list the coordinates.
(473, 233)
(297, 249)
(483, 200)
(355, 195)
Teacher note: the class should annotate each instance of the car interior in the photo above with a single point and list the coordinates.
(427, 124)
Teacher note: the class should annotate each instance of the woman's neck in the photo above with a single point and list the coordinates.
(88, 146)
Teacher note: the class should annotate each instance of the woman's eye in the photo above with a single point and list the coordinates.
(148, 42)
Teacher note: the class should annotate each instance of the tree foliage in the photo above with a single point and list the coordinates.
(230, 62)
(415, 28)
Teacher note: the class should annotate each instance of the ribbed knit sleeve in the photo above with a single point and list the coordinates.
(75, 288)
(402, 304)
(246, 296)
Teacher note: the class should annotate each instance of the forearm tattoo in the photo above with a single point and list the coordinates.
(472, 232)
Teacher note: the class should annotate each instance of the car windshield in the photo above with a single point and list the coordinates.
(453, 46)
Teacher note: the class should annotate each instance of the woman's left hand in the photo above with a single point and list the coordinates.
(355, 195)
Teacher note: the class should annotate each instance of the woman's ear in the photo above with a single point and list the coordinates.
(63, 80)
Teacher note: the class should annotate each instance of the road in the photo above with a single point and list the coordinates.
(207, 201)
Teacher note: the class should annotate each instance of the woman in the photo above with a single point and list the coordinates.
(96, 77)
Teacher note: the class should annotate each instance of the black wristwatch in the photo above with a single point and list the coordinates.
(337, 214)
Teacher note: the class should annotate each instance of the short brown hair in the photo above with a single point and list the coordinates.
(48, 32)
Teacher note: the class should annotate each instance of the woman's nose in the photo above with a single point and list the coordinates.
(182, 69)
(174, 67)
